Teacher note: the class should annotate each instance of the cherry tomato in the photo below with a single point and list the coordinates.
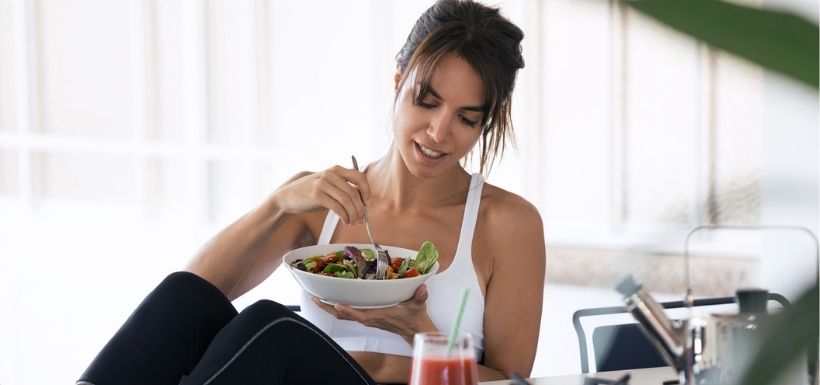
(396, 263)
(320, 265)
(411, 272)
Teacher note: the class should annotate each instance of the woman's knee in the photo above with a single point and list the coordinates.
(266, 309)
(186, 281)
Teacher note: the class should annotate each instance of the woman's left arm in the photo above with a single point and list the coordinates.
(514, 295)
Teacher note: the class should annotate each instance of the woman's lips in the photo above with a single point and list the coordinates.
(428, 152)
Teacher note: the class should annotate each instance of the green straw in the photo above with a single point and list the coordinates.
(457, 323)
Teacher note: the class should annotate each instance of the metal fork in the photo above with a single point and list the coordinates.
(382, 258)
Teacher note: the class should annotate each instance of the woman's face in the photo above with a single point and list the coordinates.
(433, 135)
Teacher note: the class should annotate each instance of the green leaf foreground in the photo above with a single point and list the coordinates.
(776, 40)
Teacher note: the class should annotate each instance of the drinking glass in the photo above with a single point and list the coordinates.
(434, 365)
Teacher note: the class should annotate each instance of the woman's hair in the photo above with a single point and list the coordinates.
(485, 39)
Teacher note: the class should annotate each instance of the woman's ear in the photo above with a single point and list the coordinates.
(397, 79)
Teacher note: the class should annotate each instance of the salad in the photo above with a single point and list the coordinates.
(354, 263)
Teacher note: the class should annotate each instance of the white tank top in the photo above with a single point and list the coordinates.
(444, 293)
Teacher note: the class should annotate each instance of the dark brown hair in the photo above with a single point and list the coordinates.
(485, 39)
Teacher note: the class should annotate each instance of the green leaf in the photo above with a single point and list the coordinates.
(339, 270)
(426, 258)
(403, 267)
(793, 333)
(775, 40)
(311, 262)
(347, 274)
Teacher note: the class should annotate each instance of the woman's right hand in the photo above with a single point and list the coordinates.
(332, 189)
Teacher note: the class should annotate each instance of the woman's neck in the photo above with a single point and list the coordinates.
(392, 183)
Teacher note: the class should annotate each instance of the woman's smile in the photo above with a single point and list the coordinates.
(429, 152)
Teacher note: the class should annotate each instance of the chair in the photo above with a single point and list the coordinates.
(625, 346)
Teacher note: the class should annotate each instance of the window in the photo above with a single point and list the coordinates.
(647, 133)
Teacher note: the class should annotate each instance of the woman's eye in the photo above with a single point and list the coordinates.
(471, 123)
(424, 105)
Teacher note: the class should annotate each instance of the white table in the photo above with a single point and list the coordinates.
(651, 376)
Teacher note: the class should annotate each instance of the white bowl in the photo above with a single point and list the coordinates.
(358, 293)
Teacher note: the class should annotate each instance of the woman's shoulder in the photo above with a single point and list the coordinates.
(500, 207)
(509, 225)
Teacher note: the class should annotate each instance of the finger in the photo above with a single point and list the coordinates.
(349, 186)
(333, 205)
(421, 293)
(349, 313)
(362, 184)
(357, 178)
(364, 187)
(348, 203)
(328, 308)
(359, 191)
(352, 193)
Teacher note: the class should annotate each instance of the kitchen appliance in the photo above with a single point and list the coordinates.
(704, 350)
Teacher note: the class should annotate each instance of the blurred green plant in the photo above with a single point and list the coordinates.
(776, 40)
(793, 333)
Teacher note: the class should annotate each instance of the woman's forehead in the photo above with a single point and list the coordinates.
(454, 79)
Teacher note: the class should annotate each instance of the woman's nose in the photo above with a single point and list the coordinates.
(439, 128)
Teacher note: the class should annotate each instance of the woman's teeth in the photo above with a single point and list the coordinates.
(430, 153)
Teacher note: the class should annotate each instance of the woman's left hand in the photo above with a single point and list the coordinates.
(405, 319)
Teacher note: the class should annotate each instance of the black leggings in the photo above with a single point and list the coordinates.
(186, 332)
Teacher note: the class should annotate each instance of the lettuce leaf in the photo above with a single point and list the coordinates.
(427, 257)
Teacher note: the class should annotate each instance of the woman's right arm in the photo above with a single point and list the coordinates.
(243, 254)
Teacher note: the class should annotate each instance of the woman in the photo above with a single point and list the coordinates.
(454, 78)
